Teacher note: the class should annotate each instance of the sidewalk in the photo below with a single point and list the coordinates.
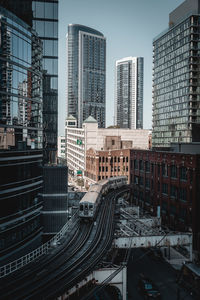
(173, 257)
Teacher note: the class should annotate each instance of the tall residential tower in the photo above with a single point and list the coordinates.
(86, 74)
(129, 93)
(176, 78)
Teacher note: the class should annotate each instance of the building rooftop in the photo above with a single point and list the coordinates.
(90, 119)
(70, 117)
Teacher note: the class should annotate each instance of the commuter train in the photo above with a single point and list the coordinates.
(89, 204)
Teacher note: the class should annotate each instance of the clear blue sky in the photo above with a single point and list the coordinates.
(129, 27)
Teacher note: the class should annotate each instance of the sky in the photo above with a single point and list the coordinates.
(129, 27)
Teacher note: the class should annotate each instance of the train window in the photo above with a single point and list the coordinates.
(90, 206)
(81, 207)
(86, 207)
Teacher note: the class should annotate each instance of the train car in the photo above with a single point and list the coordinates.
(105, 185)
(89, 203)
(117, 182)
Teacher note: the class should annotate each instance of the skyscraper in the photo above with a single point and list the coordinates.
(176, 78)
(42, 15)
(28, 104)
(86, 73)
(21, 137)
(129, 93)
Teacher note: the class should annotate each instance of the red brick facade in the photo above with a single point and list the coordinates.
(106, 164)
(169, 182)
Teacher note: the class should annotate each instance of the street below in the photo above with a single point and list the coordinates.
(157, 270)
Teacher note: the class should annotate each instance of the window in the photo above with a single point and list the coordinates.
(183, 194)
(127, 159)
(135, 164)
(106, 169)
(173, 191)
(147, 166)
(183, 173)
(141, 182)
(113, 142)
(99, 159)
(165, 188)
(141, 165)
(136, 179)
(106, 159)
(99, 169)
(147, 183)
(173, 171)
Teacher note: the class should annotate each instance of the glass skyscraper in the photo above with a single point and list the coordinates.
(86, 74)
(42, 16)
(176, 78)
(129, 92)
(28, 118)
(21, 136)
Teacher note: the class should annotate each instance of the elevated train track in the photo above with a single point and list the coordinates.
(59, 271)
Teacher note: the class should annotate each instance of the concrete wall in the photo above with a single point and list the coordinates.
(184, 10)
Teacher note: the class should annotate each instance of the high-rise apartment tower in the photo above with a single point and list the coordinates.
(129, 92)
(176, 78)
(86, 74)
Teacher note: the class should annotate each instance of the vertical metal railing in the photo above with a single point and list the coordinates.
(26, 259)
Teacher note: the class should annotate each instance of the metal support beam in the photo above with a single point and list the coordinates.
(156, 240)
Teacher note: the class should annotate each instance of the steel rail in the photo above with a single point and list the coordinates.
(35, 254)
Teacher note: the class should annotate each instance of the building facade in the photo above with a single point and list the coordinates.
(42, 16)
(55, 202)
(79, 140)
(21, 137)
(176, 91)
(61, 146)
(86, 74)
(167, 184)
(129, 92)
(106, 164)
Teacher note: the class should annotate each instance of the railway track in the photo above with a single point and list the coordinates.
(55, 275)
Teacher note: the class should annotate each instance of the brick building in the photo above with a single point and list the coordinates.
(106, 164)
(168, 184)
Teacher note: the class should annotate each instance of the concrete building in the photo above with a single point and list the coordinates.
(86, 74)
(176, 80)
(61, 146)
(167, 184)
(129, 92)
(79, 140)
